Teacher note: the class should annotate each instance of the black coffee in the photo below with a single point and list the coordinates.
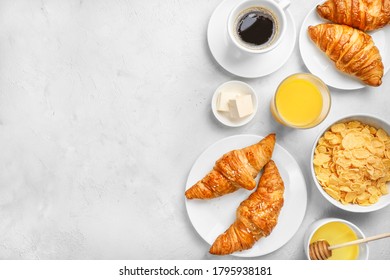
(256, 27)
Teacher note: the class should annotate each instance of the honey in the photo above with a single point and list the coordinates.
(337, 233)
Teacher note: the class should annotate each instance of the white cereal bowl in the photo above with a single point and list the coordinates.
(363, 247)
(238, 86)
(384, 200)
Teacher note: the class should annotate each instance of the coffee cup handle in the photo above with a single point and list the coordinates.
(283, 3)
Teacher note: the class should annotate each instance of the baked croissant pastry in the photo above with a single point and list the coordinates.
(352, 50)
(365, 15)
(235, 169)
(256, 216)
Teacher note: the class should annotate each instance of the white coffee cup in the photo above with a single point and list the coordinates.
(273, 9)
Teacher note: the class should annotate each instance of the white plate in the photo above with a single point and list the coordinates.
(238, 62)
(212, 217)
(320, 65)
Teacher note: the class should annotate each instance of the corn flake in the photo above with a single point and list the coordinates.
(338, 127)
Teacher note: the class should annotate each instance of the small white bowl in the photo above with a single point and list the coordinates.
(383, 200)
(241, 87)
(363, 248)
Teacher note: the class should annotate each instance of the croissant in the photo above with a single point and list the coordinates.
(235, 169)
(352, 50)
(256, 216)
(365, 15)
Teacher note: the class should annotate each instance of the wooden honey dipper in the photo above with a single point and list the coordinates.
(321, 250)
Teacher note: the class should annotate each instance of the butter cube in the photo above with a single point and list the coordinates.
(223, 100)
(241, 106)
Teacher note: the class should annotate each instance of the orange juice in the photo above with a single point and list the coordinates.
(337, 233)
(301, 100)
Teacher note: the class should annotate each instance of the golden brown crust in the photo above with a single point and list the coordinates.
(365, 15)
(214, 184)
(256, 216)
(352, 51)
(235, 169)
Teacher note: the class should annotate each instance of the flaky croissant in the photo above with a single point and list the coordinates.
(235, 169)
(365, 15)
(352, 50)
(256, 216)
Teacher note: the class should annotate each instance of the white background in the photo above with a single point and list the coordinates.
(105, 106)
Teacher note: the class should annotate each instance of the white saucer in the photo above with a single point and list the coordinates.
(243, 64)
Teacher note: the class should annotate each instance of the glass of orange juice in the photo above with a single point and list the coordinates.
(301, 100)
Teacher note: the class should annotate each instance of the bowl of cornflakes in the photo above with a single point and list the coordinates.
(350, 163)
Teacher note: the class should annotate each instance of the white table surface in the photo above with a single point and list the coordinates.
(105, 106)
